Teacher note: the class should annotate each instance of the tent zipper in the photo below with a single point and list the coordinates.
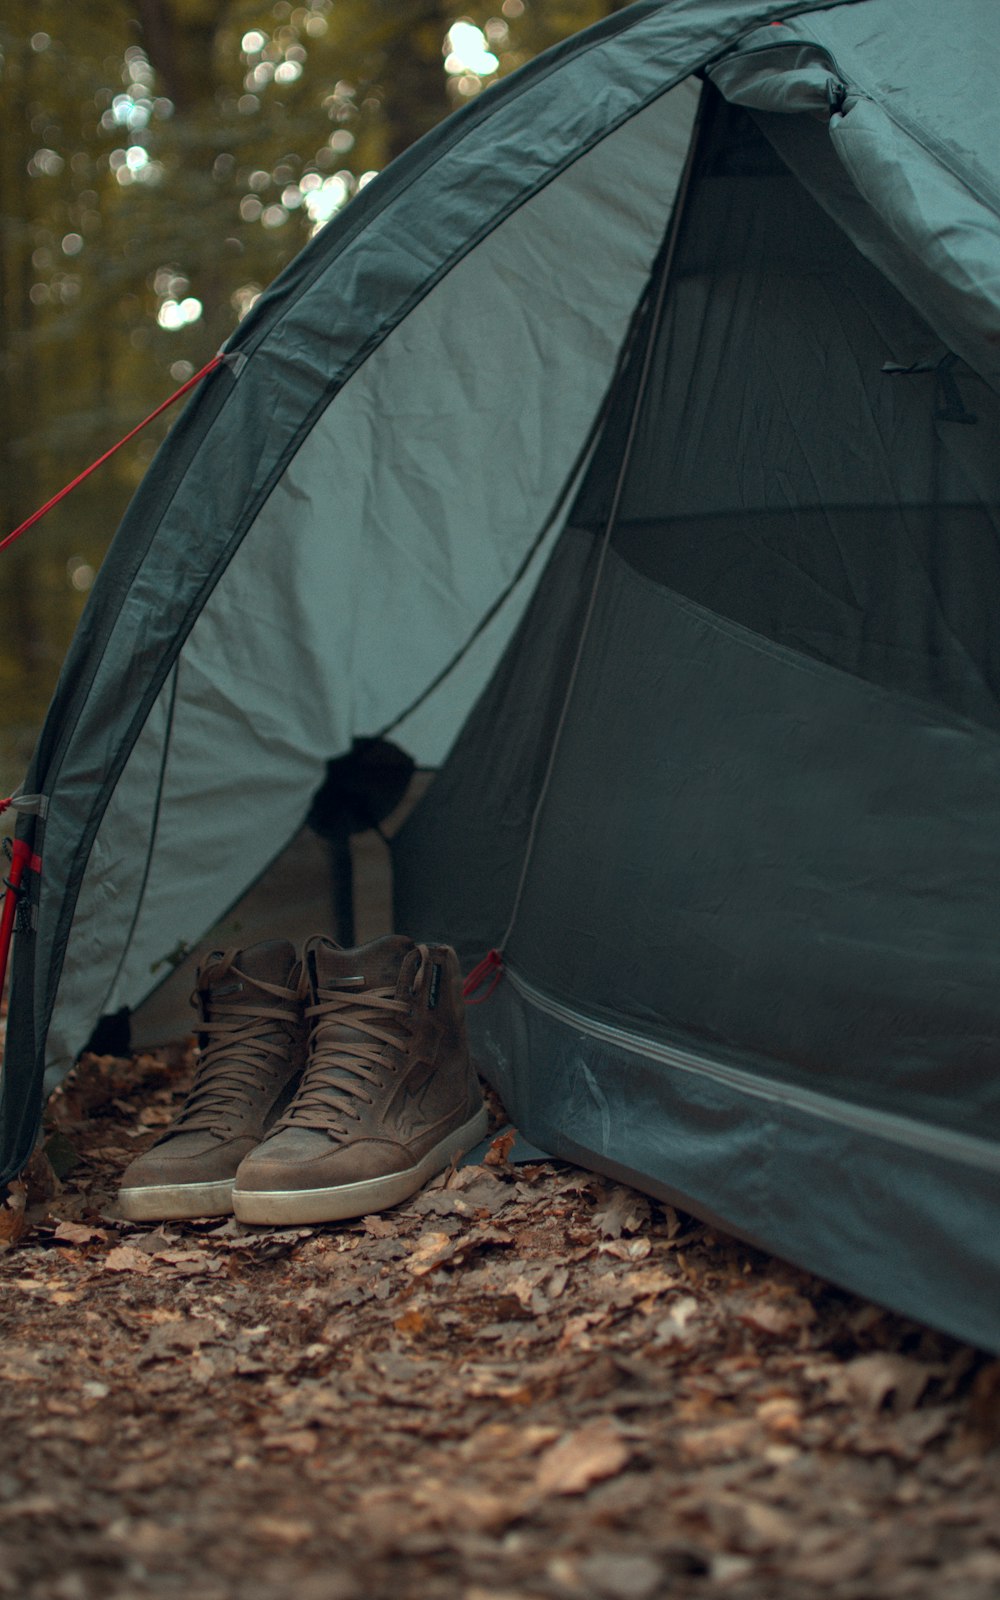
(886, 1125)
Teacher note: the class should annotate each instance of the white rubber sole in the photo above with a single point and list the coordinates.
(291, 1206)
(172, 1202)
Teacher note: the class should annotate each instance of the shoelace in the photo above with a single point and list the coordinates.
(339, 1069)
(234, 1053)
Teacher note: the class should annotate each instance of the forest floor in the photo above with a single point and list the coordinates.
(529, 1382)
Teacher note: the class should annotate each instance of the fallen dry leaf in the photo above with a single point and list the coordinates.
(775, 1317)
(189, 1262)
(12, 1218)
(616, 1575)
(840, 1562)
(431, 1250)
(626, 1249)
(471, 1509)
(625, 1212)
(297, 1441)
(722, 1442)
(582, 1458)
(78, 1233)
(499, 1151)
(32, 1505)
(380, 1227)
(871, 1380)
(126, 1258)
(20, 1364)
(674, 1328)
(40, 1178)
(781, 1414)
(471, 1192)
(282, 1530)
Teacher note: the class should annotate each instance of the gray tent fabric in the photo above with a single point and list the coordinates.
(627, 451)
(896, 158)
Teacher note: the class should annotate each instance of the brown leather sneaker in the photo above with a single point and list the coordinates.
(388, 1097)
(252, 1043)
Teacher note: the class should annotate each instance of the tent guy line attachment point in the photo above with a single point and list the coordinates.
(34, 805)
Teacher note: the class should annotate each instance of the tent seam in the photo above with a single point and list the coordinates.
(953, 1144)
(803, 663)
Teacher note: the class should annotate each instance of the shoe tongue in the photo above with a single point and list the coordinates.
(331, 970)
(378, 963)
(269, 962)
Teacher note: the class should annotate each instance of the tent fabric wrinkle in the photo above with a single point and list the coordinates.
(613, 453)
(929, 224)
(774, 71)
(935, 82)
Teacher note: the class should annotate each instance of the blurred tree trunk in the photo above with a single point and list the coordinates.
(16, 366)
(180, 43)
(412, 71)
(20, 374)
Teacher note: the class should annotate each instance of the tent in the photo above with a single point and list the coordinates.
(627, 452)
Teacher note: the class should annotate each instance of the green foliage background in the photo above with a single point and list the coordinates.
(163, 159)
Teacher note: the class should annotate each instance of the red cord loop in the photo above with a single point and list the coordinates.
(22, 857)
(491, 963)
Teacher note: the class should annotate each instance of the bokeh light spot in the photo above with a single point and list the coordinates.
(80, 573)
(174, 314)
(466, 51)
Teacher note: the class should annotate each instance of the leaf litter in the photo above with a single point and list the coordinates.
(529, 1383)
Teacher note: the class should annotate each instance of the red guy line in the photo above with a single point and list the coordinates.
(37, 516)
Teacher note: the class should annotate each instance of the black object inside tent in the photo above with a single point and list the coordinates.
(729, 801)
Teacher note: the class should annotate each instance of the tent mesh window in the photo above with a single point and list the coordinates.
(781, 476)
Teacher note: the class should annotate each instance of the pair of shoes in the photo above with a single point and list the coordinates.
(326, 1088)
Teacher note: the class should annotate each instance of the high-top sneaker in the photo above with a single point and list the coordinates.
(252, 1047)
(389, 1096)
